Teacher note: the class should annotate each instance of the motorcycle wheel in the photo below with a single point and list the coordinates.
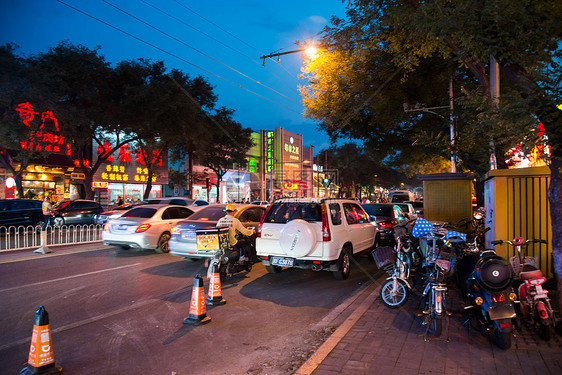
(501, 339)
(222, 272)
(545, 330)
(397, 298)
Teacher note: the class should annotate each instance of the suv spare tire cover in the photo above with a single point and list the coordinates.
(297, 238)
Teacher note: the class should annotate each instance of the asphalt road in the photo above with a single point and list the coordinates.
(116, 311)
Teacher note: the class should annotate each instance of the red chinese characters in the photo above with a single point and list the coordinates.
(47, 138)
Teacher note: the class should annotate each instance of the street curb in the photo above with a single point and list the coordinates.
(316, 359)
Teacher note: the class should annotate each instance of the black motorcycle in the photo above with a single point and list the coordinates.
(485, 280)
(229, 260)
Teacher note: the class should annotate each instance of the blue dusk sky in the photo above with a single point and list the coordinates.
(220, 40)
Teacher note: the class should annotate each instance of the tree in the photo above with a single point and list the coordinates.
(230, 144)
(523, 37)
(13, 88)
(76, 83)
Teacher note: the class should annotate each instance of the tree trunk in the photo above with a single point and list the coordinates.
(87, 184)
(148, 184)
(190, 173)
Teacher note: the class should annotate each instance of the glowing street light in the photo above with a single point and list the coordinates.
(311, 51)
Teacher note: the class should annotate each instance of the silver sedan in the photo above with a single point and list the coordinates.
(144, 227)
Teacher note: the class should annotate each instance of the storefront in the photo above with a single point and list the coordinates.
(125, 174)
(52, 174)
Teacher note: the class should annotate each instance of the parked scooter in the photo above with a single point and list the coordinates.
(534, 303)
(486, 283)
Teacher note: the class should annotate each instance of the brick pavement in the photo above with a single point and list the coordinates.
(379, 340)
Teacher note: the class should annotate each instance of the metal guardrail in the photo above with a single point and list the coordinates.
(23, 238)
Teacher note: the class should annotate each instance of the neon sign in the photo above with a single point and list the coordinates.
(46, 140)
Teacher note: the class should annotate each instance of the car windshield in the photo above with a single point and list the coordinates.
(283, 212)
(142, 212)
(378, 210)
(209, 213)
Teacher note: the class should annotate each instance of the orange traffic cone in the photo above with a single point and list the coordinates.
(41, 359)
(215, 290)
(198, 308)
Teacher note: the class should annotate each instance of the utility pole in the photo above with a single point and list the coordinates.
(452, 120)
(495, 94)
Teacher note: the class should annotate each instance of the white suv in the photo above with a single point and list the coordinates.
(314, 233)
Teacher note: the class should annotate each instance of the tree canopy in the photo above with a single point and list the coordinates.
(138, 103)
(386, 53)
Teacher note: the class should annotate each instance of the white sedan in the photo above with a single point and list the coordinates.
(144, 227)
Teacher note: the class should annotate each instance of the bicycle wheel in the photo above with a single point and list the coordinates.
(394, 293)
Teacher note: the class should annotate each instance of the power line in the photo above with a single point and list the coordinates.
(196, 50)
(232, 35)
(218, 41)
(176, 56)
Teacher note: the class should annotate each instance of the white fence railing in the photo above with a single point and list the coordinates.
(21, 238)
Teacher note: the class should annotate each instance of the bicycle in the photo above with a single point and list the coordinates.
(439, 264)
(396, 290)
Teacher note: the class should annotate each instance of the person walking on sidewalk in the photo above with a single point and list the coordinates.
(47, 207)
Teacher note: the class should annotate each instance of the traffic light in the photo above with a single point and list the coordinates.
(327, 180)
(208, 184)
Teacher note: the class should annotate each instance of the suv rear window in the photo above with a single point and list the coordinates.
(283, 212)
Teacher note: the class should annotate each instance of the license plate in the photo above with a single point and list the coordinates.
(283, 262)
(122, 227)
(501, 312)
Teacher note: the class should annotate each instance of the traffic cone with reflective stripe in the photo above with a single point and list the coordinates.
(198, 308)
(215, 291)
(41, 359)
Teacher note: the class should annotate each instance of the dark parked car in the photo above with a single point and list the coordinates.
(114, 213)
(387, 216)
(16, 212)
(76, 212)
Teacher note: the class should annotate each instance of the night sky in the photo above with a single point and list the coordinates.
(220, 40)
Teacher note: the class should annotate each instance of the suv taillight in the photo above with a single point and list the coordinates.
(258, 232)
(326, 235)
(386, 223)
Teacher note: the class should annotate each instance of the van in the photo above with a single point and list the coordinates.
(399, 196)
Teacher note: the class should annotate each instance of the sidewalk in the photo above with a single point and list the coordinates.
(8, 256)
(379, 340)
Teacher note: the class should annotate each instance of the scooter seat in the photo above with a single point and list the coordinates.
(533, 274)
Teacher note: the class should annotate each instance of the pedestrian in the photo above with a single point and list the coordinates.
(47, 209)
(119, 201)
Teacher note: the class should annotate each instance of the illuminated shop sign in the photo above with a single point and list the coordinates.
(269, 150)
(46, 137)
(291, 148)
(129, 166)
(100, 184)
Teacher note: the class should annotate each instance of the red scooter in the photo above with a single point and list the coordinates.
(534, 304)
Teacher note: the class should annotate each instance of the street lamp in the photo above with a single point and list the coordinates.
(311, 51)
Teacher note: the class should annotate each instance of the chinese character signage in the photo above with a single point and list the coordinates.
(269, 150)
(45, 137)
(127, 165)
